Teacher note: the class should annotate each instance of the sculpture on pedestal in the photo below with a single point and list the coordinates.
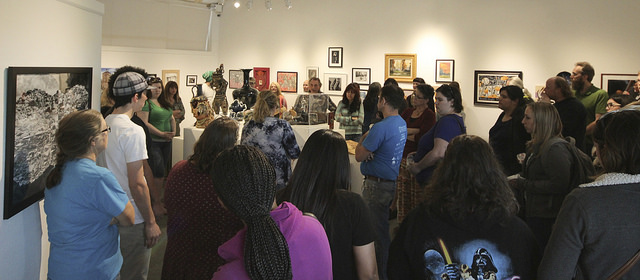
(219, 84)
(246, 94)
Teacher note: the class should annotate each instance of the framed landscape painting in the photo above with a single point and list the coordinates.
(401, 67)
(170, 75)
(37, 99)
(444, 70)
(487, 85)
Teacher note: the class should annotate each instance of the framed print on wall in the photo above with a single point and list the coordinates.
(37, 99)
(361, 76)
(486, 89)
(236, 78)
(312, 72)
(401, 67)
(618, 83)
(335, 57)
(288, 81)
(170, 75)
(261, 74)
(335, 83)
(192, 80)
(445, 70)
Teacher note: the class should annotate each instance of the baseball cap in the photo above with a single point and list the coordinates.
(129, 83)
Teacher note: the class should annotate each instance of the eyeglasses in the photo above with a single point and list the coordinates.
(153, 80)
(107, 130)
(612, 105)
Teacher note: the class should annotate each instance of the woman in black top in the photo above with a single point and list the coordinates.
(508, 137)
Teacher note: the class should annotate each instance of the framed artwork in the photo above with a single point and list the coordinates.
(618, 83)
(261, 74)
(236, 78)
(335, 57)
(361, 76)
(486, 89)
(401, 67)
(37, 99)
(335, 83)
(170, 75)
(105, 75)
(312, 72)
(288, 81)
(192, 80)
(445, 70)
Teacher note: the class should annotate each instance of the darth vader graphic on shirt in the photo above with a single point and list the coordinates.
(474, 260)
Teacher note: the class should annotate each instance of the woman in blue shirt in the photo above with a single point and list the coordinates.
(83, 203)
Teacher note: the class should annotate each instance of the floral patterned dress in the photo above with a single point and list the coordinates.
(276, 140)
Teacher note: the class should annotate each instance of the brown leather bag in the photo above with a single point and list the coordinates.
(625, 268)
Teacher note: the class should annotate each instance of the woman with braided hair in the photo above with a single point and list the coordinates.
(278, 242)
(84, 245)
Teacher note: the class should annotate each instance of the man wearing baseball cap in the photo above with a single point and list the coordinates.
(124, 156)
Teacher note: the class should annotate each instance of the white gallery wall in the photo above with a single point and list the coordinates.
(540, 38)
(48, 33)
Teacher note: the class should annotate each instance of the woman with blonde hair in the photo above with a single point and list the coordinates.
(272, 135)
(546, 171)
(84, 203)
(275, 88)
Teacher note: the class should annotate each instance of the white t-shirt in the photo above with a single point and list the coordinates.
(208, 92)
(126, 144)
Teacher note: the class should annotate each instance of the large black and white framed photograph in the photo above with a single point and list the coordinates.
(37, 99)
(361, 76)
(335, 83)
(335, 57)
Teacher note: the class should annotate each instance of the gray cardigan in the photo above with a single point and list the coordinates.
(597, 230)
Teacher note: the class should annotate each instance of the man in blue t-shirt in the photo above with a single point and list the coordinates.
(380, 151)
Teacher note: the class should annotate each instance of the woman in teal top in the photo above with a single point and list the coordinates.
(157, 115)
(350, 112)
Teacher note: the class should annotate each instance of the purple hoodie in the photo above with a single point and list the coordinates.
(308, 247)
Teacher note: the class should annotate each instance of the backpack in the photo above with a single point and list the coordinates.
(582, 169)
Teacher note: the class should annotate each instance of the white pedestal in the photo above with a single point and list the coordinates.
(177, 146)
(191, 135)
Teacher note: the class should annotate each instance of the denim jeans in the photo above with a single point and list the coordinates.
(378, 196)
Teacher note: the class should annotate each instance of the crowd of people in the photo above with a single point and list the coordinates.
(525, 204)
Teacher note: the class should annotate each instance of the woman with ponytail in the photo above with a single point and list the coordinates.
(278, 242)
(272, 135)
(85, 244)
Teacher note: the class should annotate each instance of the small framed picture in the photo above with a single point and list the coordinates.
(361, 76)
(312, 72)
(488, 84)
(288, 81)
(444, 70)
(192, 80)
(401, 67)
(335, 57)
(236, 78)
(335, 83)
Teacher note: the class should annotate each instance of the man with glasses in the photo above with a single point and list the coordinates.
(593, 98)
(572, 112)
(124, 155)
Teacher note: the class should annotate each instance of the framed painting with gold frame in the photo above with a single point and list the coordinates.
(170, 75)
(401, 67)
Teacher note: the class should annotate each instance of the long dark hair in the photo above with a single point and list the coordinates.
(354, 106)
(167, 87)
(163, 99)
(321, 170)
(469, 182)
(371, 99)
(246, 184)
(452, 93)
(220, 134)
(73, 139)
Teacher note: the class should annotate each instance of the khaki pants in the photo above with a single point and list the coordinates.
(136, 256)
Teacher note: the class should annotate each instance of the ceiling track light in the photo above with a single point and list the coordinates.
(267, 4)
(236, 4)
(287, 3)
(249, 4)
